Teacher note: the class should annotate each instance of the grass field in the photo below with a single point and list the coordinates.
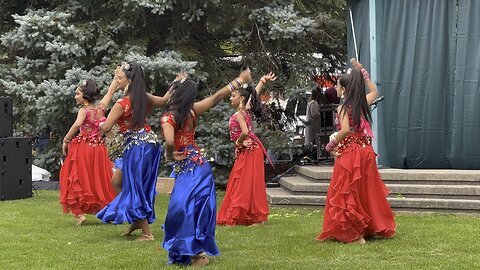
(35, 234)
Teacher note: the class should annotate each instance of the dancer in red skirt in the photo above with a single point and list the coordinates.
(245, 201)
(86, 172)
(356, 206)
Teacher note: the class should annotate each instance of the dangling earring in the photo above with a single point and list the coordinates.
(342, 96)
(241, 106)
(125, 90)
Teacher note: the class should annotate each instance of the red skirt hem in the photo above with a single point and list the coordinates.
(85, 176)
(245, 201)
(356, 202)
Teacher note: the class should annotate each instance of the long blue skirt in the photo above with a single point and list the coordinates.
(137, 199)
(191, 217)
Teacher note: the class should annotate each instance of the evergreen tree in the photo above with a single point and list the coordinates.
(48, 47)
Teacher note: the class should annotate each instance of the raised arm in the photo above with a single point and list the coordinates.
(113, 116)
(108, 96)
(111, 90)
(372, 88)
(73, 129)
(265, 78)
(205, 104)
(259, 88)
(157, 101)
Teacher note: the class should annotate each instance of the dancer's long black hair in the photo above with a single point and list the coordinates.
(137, 94)
(249, 93)
(182, 100)
(356, 99)
(90, 90)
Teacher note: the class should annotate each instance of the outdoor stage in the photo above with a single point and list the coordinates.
(436, 190)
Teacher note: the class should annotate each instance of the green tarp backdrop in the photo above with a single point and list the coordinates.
(428, 68)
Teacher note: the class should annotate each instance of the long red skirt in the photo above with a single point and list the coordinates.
(245, 201)
(85, 177)
(356, 200)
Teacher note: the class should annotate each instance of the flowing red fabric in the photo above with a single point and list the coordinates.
(85, 178)
(245, 201)
(356, 202)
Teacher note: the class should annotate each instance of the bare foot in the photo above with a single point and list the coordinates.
(261, 223)
(81, 219)
(133, 227)
(199, 260)
(360, 241)
(145, 237)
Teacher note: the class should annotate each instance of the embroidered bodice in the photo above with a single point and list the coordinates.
(123, 121)
(93, 118)
(184, 140)
(236, 130)
(234, 126)
(361, 136)
(364, 128)
(90, 128)
(184, 136)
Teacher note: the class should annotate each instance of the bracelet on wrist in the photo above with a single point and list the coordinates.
(237, 143)
(238, 81)
(232, 88)
(365, 74)
(331, 145)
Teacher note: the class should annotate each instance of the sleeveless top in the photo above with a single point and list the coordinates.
(90, 128)
(361, 135)
(124, 120)
(133, 136)
(184, 141)
(236, 131)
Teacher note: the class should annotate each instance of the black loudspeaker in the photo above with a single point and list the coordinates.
(6, 117)
(322, 141)
(15, 168)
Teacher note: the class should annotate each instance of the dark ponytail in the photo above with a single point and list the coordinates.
(356, 99)
(255, 104)
(182, 100)
(137, 94)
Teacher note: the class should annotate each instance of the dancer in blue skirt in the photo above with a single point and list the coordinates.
(141, 155)
(191, 216)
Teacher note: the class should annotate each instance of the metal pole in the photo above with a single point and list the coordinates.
(353, 34)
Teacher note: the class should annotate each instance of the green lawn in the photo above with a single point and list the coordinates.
(34, 234)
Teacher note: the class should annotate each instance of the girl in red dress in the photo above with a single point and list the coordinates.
(245, 201)
(356, 205)
(86, 172)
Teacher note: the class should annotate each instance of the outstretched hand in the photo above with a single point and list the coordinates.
(269, 76)
(355, 63)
